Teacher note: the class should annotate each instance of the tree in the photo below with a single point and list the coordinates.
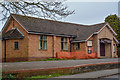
(114, 22)
(47, 9)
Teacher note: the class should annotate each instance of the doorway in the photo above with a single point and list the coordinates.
(105, 48)
(102, 49)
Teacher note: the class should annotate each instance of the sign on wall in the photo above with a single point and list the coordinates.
(89, 50)
(89, 43)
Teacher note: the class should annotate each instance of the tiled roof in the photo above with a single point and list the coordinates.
(38, 25)
(13, 34)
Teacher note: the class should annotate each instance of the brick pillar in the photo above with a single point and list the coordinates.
(98, 48)
(112, 49)
(86, 47)
(54, 46)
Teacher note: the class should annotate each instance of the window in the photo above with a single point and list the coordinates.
(77, 45)
(16, 45)
(43, 42)
(89, 50)
(63, 43)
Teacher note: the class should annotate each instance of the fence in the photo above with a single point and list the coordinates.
(76, 55)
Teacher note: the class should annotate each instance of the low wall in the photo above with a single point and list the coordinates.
(63, 70)
(18, 59)
(76, 55)
(15, 59)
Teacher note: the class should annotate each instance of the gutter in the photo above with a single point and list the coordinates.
(52, 34)
(78, 41)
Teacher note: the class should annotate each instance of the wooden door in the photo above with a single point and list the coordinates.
(102, 49)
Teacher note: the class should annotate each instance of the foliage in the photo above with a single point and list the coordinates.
(118, 52)
(9, 77)
(46, 9)
(114, 22)
(48, 76)
(50, 59)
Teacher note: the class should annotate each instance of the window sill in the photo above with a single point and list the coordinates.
(65, 50)
(42, 49)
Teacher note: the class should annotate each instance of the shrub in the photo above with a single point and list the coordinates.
(9, 77)
(50, 59)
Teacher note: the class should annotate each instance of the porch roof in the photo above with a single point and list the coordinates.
(13, 34)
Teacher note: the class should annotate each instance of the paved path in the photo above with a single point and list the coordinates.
(95, 74)
(14, 66)
(114, 76)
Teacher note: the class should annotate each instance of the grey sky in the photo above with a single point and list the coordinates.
(89, 12)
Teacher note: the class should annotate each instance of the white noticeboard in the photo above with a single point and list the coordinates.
(89, 43)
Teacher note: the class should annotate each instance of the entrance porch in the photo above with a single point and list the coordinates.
(105, 48)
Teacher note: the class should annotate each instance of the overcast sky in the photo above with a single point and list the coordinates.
(91, 12)
(88, 13)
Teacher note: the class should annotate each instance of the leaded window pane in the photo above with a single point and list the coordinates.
(61, 45)
(41, 37)
(45, 37)
(77, 45)
(65, 39)
(40, 44)
(16, 45)
(66, 46)
(45, 44)
(61, 39)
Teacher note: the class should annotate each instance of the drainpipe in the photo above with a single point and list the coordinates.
(5, 51)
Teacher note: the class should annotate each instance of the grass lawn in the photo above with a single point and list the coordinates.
(48, 76)
(49, 59)
(11, 77)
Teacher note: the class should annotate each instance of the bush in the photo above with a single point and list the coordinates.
(9, 77)
(118, 52)
(50, 59)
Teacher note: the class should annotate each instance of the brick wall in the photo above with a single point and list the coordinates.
(82, 47)
(53, 46)
(34, 50)
(11, 53)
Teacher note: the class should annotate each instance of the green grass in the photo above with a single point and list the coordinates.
(50, 59)
(48, 76)
(11, 77)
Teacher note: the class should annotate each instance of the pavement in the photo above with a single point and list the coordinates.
(95, 74)
(114, 76)
(16, 66)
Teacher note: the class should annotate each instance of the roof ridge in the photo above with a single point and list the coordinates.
(51, 20)
(60, 21)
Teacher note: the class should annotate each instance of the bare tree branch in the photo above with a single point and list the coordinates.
(53, 10)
